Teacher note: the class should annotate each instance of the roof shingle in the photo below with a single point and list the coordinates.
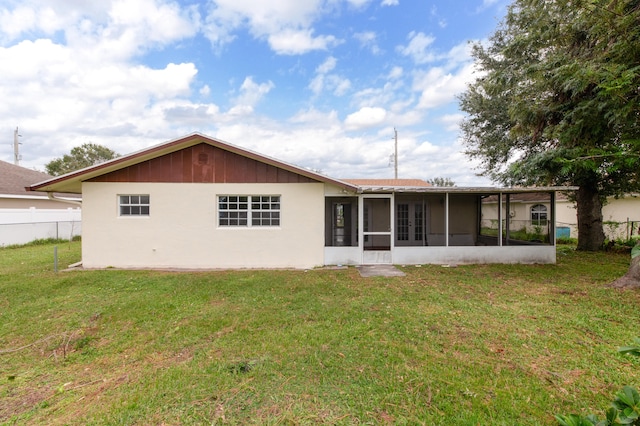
(388, 182)
(14, 179)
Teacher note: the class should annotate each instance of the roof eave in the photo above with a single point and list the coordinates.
(463, 190)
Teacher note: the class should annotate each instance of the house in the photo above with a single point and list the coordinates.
(198, 202)
(621, 217)
(26, 216)
(13, 195)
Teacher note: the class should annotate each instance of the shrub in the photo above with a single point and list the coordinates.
(624, 410)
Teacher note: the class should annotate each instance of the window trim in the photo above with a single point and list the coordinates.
(538, 210)
(243, 213)
(139, 204)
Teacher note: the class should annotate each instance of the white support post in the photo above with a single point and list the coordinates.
(446, 219)
(500, 219)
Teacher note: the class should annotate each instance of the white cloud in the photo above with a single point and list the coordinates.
(339, 85)
(324, 80)
(442, 23)
(395, 73)
(33, 16)
(418, 47)
(82, 78)
(153, 22)
(66, 95)
(368, 39)
(285, 24)
(358, 3)
(315, 117)
(366, 117)
(391, 93)
(270, 16)
(438, 87)
(205, 90)
(117, 28)
(459, 54)
(425, 148)
(328, 65)
(317, 84)
(452, 121)
(251, 93)
(335, 84)
(195, 115)
(296, 42)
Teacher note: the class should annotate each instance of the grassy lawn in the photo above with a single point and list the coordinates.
(472, 345)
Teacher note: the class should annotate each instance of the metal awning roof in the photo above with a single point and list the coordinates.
(376, 189)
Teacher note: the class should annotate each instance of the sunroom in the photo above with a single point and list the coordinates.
(452, 225)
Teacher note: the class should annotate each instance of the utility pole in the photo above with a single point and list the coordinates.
(16, 148)
(395, 155)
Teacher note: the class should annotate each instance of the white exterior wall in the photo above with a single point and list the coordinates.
(28, 201)
(182, 229)
(616, 210)
(462, 255)
(621, 210)
(566, 217)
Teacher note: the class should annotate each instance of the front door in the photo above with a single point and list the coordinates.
(376, 229)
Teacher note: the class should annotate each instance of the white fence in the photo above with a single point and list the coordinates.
(20, 226)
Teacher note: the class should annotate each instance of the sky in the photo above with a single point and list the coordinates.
(320, 84)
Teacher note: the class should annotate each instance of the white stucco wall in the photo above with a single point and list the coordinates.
(462, 255)
(182, 229)
(616, 210)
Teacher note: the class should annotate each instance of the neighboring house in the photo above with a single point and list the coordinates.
(526, 212)
(530, 211)
(197, 202)
(621, 217)
(26, 216)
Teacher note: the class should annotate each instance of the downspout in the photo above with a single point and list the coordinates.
(62, 200)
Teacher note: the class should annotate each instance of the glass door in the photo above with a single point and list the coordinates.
(410, 223)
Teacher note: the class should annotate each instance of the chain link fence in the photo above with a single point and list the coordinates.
(613, 231)
(23, 233)
(539, 230)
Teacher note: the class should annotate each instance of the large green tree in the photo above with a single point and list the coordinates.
(80, 157)
(557, 102)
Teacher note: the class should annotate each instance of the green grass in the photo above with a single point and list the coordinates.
(472, 345)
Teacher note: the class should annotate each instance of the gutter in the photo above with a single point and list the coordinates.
(63, 200)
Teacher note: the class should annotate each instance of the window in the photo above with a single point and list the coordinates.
(539, 215)
(249, 210)
(402, 216)
(232, 210)
(134, 205)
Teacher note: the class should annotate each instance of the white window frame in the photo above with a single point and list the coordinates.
(538, 210)
(138, 205)
(249, 211)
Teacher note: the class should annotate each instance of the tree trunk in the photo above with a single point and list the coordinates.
(632, 277)
(590, 232)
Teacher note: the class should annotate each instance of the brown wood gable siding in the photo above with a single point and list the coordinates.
(203, 163)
